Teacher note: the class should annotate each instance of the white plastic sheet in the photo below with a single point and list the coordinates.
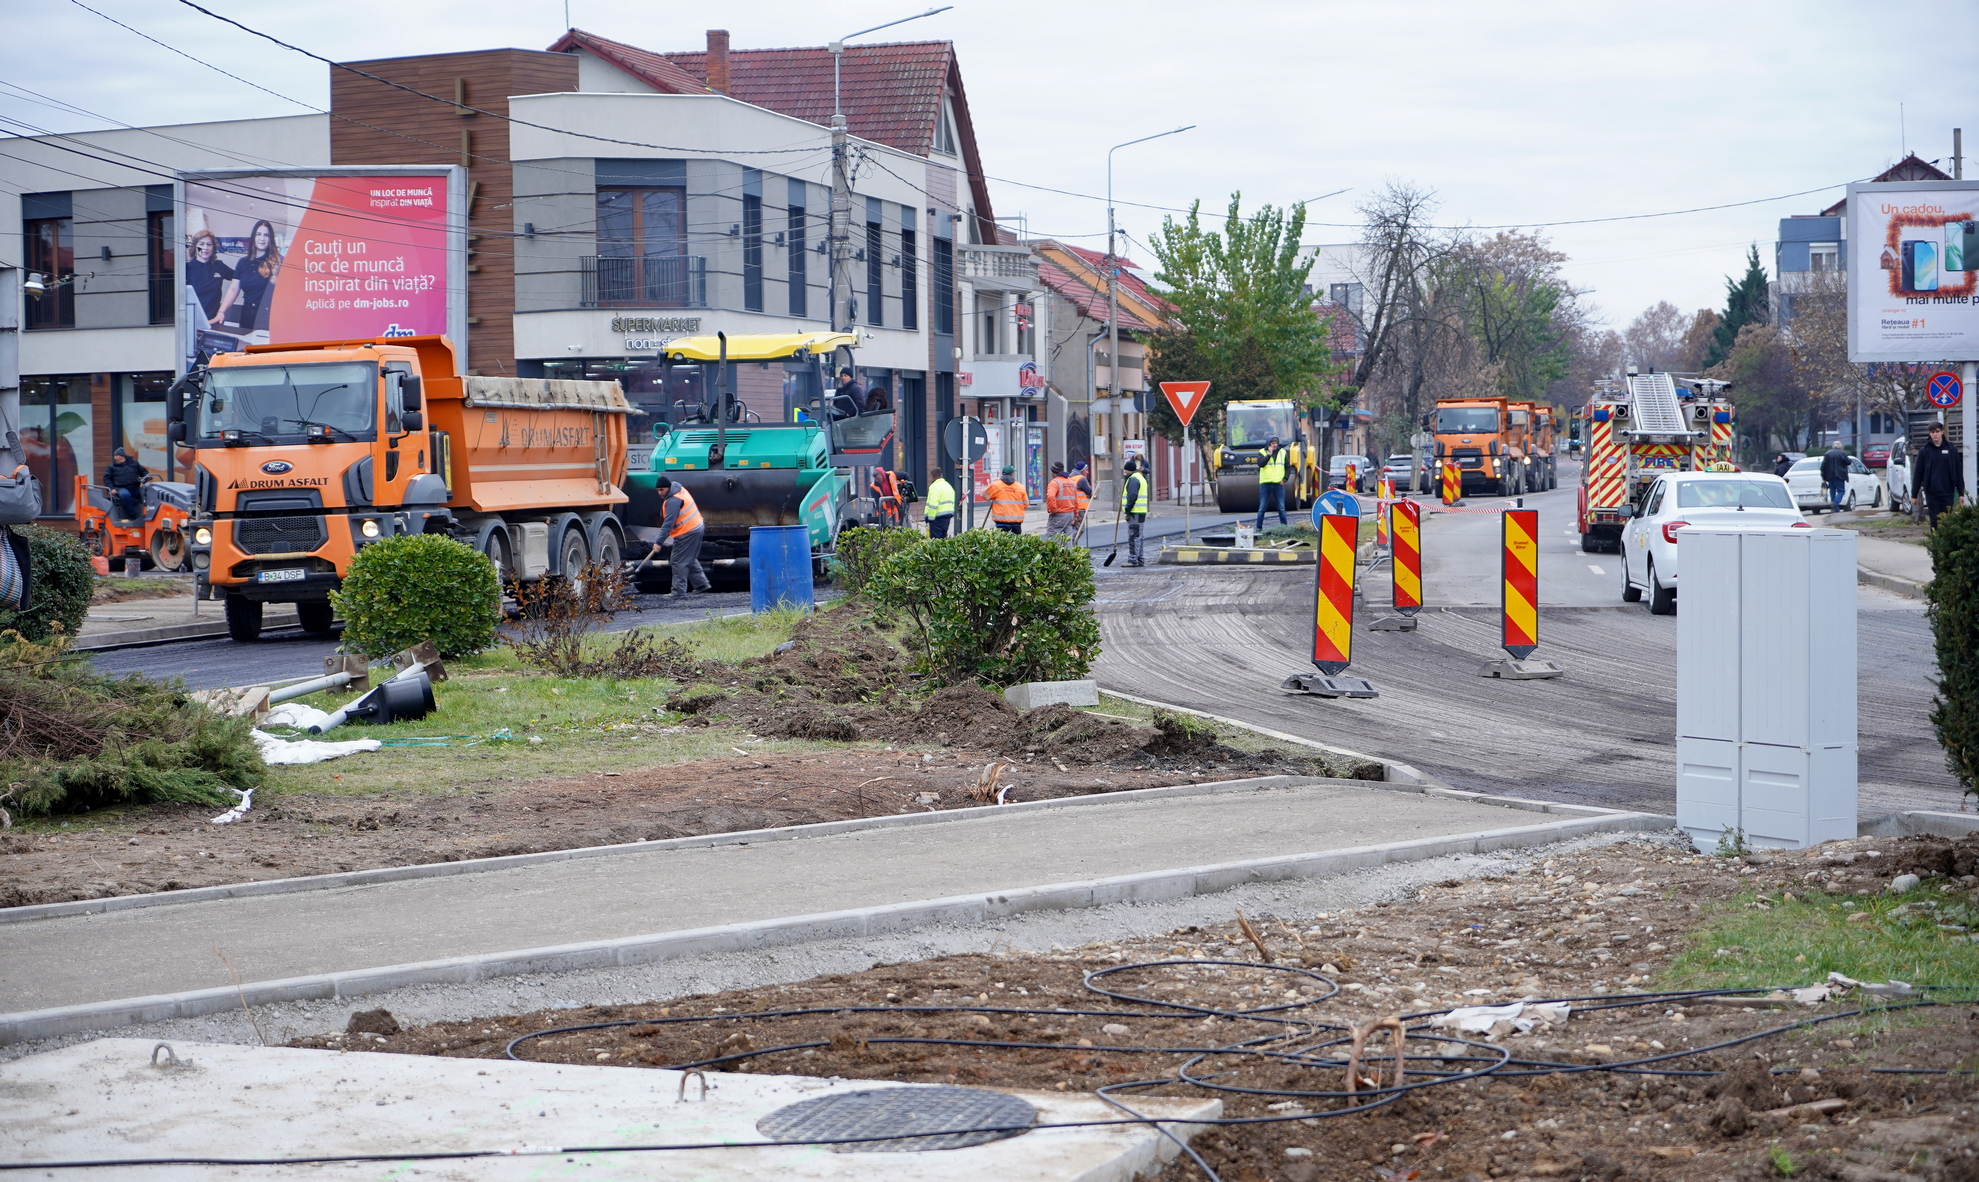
(1519, 1015)
(276, 751)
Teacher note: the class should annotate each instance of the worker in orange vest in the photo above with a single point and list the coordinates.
(682, 527)
(1061, 503)
(886, 496)
(1081, 473)
(1007, 501)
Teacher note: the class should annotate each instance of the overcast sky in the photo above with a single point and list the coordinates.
(1539, 111)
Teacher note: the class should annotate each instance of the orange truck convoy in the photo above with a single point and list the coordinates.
(1501, 447)
(1634, 430)
(306, 453)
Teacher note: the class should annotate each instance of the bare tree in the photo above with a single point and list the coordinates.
(1816, 336)
(1655, 339)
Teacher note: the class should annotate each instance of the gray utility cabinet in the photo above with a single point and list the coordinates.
(1766, 684)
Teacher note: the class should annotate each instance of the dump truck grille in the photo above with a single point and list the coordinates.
(1468, 457)
(279, 535)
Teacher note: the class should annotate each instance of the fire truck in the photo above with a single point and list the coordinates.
(1636, 429)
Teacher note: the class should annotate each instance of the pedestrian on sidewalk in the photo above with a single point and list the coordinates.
(682, 527)
(1937, 472)
(1061, 504)
(1834, 472)
(1007, 501)
(1271, 482)
(1781, 465)
(1134, 505)
(939, 508)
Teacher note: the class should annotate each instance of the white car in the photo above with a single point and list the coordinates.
(1649, 540)
(1811, 494)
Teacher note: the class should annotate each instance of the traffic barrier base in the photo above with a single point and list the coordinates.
(1515, 670)
(1324, 686)
(1230, 555)
(1392, 624)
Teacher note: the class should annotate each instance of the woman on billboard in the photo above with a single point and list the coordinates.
(254, 278)
(210, 279)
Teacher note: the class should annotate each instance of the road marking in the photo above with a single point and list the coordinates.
(1597, 570)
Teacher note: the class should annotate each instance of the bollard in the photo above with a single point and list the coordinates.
(1453, 483)
(1333, 614)
(1519, 599)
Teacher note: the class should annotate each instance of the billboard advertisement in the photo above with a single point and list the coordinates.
(1913, 264)
(319, 255)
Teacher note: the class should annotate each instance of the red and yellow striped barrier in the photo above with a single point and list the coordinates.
(1453, 484)
(1333, 599)
(1521, 582)
(1405, 527)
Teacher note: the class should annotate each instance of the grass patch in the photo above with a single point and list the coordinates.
(1768, 940)
(118, 589)
(1892, 528)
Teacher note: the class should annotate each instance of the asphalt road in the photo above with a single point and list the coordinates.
(1221, 639)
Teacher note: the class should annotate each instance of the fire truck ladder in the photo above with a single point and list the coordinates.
(1656, 411)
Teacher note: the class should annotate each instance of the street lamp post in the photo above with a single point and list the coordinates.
(841, 179)
(1113, 439)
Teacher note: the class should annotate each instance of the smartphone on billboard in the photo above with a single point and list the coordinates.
(1920, 266)
(1955, 246)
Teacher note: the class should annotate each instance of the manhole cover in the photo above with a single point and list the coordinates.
(960, 1116)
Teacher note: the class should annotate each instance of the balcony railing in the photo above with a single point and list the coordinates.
(1009, 268)
(644, 281)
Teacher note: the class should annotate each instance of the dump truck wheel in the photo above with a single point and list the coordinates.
(572, 553)
(495, 546)
(316, 616)
(609, 554)
(243, 619)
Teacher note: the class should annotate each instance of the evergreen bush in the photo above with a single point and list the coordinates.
(416, 587)
(1954, 611)
(997, 608)
(64, 581)
(862, 550)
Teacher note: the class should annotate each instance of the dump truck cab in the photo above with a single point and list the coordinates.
(1481, 438)
(1246, 427)
(306, 453)
(809, 465)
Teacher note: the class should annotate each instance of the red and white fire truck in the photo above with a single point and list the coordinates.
(1635, 429)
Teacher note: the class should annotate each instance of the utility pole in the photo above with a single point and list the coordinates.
(839, 233)
(1113, 440)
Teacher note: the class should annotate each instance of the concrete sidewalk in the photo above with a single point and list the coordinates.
(1902, 567)
(176, 617)
(170, 949)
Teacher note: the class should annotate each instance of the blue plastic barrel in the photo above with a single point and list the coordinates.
(779, 567)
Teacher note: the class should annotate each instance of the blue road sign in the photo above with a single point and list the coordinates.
(1944, 389)
(1334, 501)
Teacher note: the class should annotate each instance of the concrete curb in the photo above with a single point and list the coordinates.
(1918, 822)
(1399, 774)
(1150, 886)
(384, 874)
(99, 641)
(1892, 583)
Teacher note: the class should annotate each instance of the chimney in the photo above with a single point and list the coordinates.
(718, 60)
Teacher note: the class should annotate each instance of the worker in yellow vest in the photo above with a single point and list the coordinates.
(939, 508)
(1061, 504)
(1007, 501)
(1271, 470)
(1134, 505)
(683, 528)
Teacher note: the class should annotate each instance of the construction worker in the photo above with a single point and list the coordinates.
(1007, 500)
(1061, 504)
(1271, 468)
(1134, 505)
(886, 495)
(681, 526)
(1082, 474)
(939, 508)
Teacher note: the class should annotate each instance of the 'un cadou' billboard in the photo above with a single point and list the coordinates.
(277, 257)
(1913, 267)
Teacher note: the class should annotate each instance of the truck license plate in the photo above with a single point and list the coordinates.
(289, 575)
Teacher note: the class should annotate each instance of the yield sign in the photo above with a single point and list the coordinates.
(1944, 389)
(1185, 397)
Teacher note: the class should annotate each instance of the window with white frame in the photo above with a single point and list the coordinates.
(1824, 256)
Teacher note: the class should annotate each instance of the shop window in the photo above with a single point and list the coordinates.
(58, 436)
(139, 422)
(752, 253)
(910, 282)
(51, 253)
(799, 260)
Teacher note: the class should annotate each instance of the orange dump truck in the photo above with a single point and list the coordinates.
(307, 453)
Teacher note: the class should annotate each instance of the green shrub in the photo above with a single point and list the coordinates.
(419, 587)
(994, 607)
(63, 584)
(1954, 597)
(77, 739)
(862, 550)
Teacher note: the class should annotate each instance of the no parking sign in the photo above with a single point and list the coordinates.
(1944, 389)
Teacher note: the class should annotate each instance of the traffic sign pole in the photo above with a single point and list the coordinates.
(1185, 398)
(1969, 454)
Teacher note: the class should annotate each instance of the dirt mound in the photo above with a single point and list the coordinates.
(1953, 858)
(840, 657)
